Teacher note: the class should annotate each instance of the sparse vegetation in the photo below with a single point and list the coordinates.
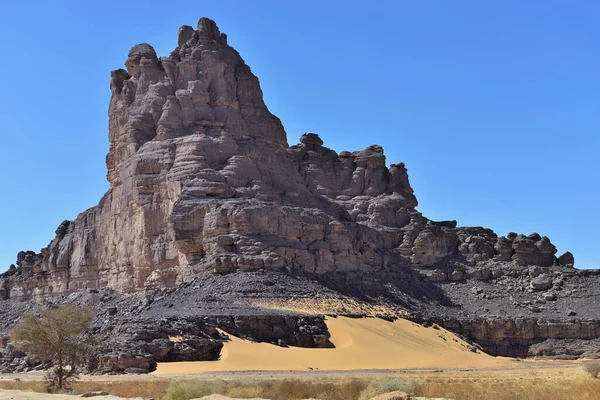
(380, 386)
(507, 389)
(144, 389)
(568, 384)
(286, 389)
(57, 335)
(193, 389)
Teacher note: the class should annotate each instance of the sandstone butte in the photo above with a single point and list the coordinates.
(212, 220)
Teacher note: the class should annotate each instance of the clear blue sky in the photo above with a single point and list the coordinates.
(493, 106)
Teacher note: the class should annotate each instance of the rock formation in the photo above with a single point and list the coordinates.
(202, 180)
(201, 177)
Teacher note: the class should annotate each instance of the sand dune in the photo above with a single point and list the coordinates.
(366, 343)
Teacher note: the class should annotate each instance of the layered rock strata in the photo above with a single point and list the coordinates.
(523, 337)
(201, 177)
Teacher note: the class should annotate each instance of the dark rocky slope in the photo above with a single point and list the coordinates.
(213, 221)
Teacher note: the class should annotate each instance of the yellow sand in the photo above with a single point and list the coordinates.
(367, 343)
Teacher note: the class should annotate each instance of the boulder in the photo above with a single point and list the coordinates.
(549, 296)
(541, 282)
(480, 274)
(567, 259)
(503, 249)
(432, 245)
(311, 140)
(533, 250)
(93, 394)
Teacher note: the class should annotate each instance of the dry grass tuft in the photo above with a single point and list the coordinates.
(380, 386)
(27, 386)
(531, 389)
(145, 389)
(286, 389)
(192, 389)
(592, 368)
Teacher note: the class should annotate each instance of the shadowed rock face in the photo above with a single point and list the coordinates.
(202, 178)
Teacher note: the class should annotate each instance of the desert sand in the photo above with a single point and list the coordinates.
(19, 395)
(361, 344)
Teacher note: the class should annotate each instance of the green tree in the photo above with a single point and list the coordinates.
(58, 335)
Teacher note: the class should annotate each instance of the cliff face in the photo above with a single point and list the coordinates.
(523, 337)
(202, 179)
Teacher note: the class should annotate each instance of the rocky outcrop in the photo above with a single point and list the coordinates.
(136, 346)
(134, 332)
(567, 259)
(202, 178)
(203, 182)
(524, 337)
(521, 311)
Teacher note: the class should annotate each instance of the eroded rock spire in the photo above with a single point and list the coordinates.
(202, 178)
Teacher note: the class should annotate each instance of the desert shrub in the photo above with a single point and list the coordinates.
(296, 389)
(518, 387)
(59, 335)
(286, 389)
(247, 388)
(193, 389)
(244, 392)
(352, 388)
(592, 368)
(336, 389)
(29, 386)
(129, 389)
(381, 386)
